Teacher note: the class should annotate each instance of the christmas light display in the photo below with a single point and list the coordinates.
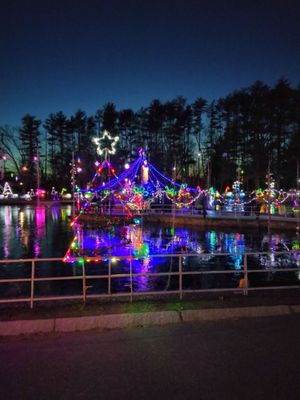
(40, 193)
(7, 192)
(145, 173)
(106, 144)
(54, 194)
(183, 197)
(294, 199)
(141, 184)
(123, 240)
(235, 198)
(271, 197)
(215, 199)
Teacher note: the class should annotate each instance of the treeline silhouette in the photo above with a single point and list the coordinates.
(202, 143)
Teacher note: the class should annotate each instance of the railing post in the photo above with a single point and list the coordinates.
(245, 290)
(83, 282)
(32, 283)
(180, 277)
(131, 283)
(109, 276)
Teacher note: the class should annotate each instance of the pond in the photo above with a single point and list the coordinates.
(45, 231)
(29, 231)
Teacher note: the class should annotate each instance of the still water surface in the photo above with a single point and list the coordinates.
(44, 231)
(28, 231)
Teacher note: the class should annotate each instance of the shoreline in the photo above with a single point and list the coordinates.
(239, 222)
(277, 223)
(22, 202)
(212, 220)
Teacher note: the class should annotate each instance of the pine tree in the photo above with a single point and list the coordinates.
(59, 139)
(30, 143)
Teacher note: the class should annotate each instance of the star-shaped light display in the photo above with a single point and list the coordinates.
(106, 144)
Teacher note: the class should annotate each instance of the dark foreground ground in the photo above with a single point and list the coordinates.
(41, 310)
(255, 358)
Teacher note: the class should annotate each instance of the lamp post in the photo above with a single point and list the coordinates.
(173, 202)
(3, 159)
(269, 198)
(36, 159)
(73, 172)
(199, 159)
(208, 174)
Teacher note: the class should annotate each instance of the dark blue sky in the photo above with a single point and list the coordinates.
(64, 55)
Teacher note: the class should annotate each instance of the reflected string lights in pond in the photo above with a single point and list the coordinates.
(8, 223)
(131, 240)
(45, 232)
(143, 241)
(149, 249)
(28, 231)
(40, 218)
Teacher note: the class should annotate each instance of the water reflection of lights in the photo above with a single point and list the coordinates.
(140, 242)
(273, 243)
(7, 231)
(21, 219)
(30, 231)
(40, 219)
(24, 234)
(56, 212)
(232, 243)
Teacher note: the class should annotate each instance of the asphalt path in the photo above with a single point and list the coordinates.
(253, 358)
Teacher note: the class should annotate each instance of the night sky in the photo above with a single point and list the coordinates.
(71, 54)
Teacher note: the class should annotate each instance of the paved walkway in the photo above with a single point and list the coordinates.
(255, 359)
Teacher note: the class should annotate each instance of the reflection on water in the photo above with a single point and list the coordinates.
(28, 231)
(139, 244)
(45, 231)
(142, 241)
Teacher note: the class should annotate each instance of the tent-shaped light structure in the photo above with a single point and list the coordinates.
(138, 186)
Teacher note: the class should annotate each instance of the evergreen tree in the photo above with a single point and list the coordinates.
(199, 109)
(29, 145)
(126, 123)
(110, 116)
(281, 124)
(59, 139)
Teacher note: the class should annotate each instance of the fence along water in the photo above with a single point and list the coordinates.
(183, 276)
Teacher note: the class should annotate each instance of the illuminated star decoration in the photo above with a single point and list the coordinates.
(106, 144)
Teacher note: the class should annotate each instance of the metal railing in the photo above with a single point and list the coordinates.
(249, 211)
(243, 286)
